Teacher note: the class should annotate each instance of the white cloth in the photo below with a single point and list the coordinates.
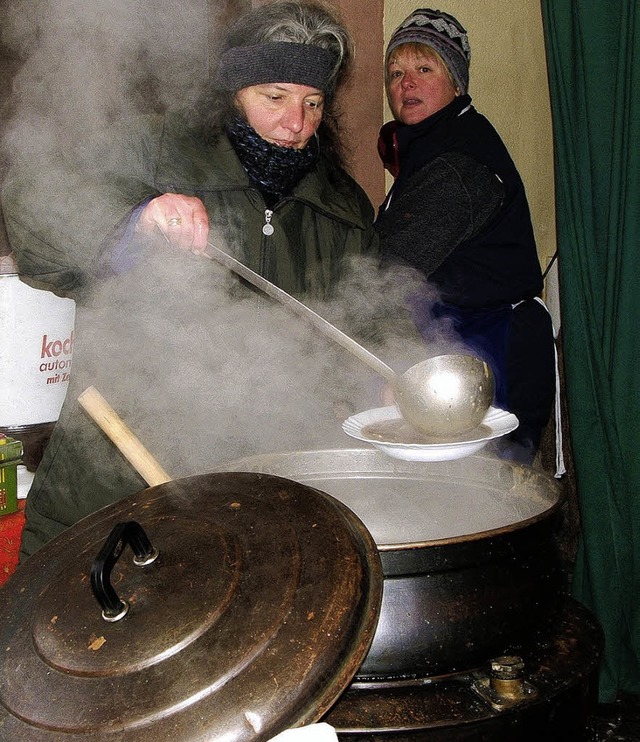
(560, 467)
(321, 732)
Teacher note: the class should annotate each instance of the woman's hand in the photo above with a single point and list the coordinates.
(182, 220)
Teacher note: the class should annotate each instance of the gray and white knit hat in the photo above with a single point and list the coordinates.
(441, 32)
(277, 61)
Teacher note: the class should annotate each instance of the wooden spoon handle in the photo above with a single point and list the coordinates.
(118, 433)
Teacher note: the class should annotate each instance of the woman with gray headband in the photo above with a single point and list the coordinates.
(256, 172)
(256, 163)
(270, 123)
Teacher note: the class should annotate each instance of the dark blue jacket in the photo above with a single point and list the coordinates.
(458, 210)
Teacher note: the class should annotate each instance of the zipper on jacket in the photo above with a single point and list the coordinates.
(267, 231)
(267, 227)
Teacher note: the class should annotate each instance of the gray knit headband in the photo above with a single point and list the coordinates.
(277, 61)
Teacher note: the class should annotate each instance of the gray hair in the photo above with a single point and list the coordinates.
(295, 21)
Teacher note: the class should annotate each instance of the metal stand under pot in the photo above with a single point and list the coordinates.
(547, 693)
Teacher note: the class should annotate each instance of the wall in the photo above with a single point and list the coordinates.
(362, 100)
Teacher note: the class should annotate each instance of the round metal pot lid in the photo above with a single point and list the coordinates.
(254, 617)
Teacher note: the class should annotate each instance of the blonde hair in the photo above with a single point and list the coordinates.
(419, 50)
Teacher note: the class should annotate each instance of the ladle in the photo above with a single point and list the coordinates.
(441, 396)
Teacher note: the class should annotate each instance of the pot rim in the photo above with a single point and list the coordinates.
(384, 465)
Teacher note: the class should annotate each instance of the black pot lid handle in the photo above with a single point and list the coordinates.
(255, 616)
(132, 534)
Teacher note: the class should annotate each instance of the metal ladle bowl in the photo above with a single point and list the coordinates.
(446, 395)
(443, 396)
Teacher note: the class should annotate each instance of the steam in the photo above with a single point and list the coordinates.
(82, 70)
(202, 371)
(84, 64)
(218, 373)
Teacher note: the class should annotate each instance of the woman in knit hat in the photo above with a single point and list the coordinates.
(458, 213)
(256, 170)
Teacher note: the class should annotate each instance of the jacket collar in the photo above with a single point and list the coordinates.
(323, 189)
(396, 138)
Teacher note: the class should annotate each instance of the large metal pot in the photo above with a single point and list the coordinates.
(471, 569)
(269, 595)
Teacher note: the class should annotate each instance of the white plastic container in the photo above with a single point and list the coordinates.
(36, 350)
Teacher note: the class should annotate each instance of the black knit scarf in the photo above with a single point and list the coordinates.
(274, 170)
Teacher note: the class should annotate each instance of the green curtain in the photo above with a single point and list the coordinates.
(593, 59)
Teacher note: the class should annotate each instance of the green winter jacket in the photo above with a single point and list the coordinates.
(62, 227)
(58, 221)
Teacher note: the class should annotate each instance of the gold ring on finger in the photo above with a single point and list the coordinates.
(175, 221)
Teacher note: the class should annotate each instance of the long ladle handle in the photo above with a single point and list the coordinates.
(119, 433)
(214, 253)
